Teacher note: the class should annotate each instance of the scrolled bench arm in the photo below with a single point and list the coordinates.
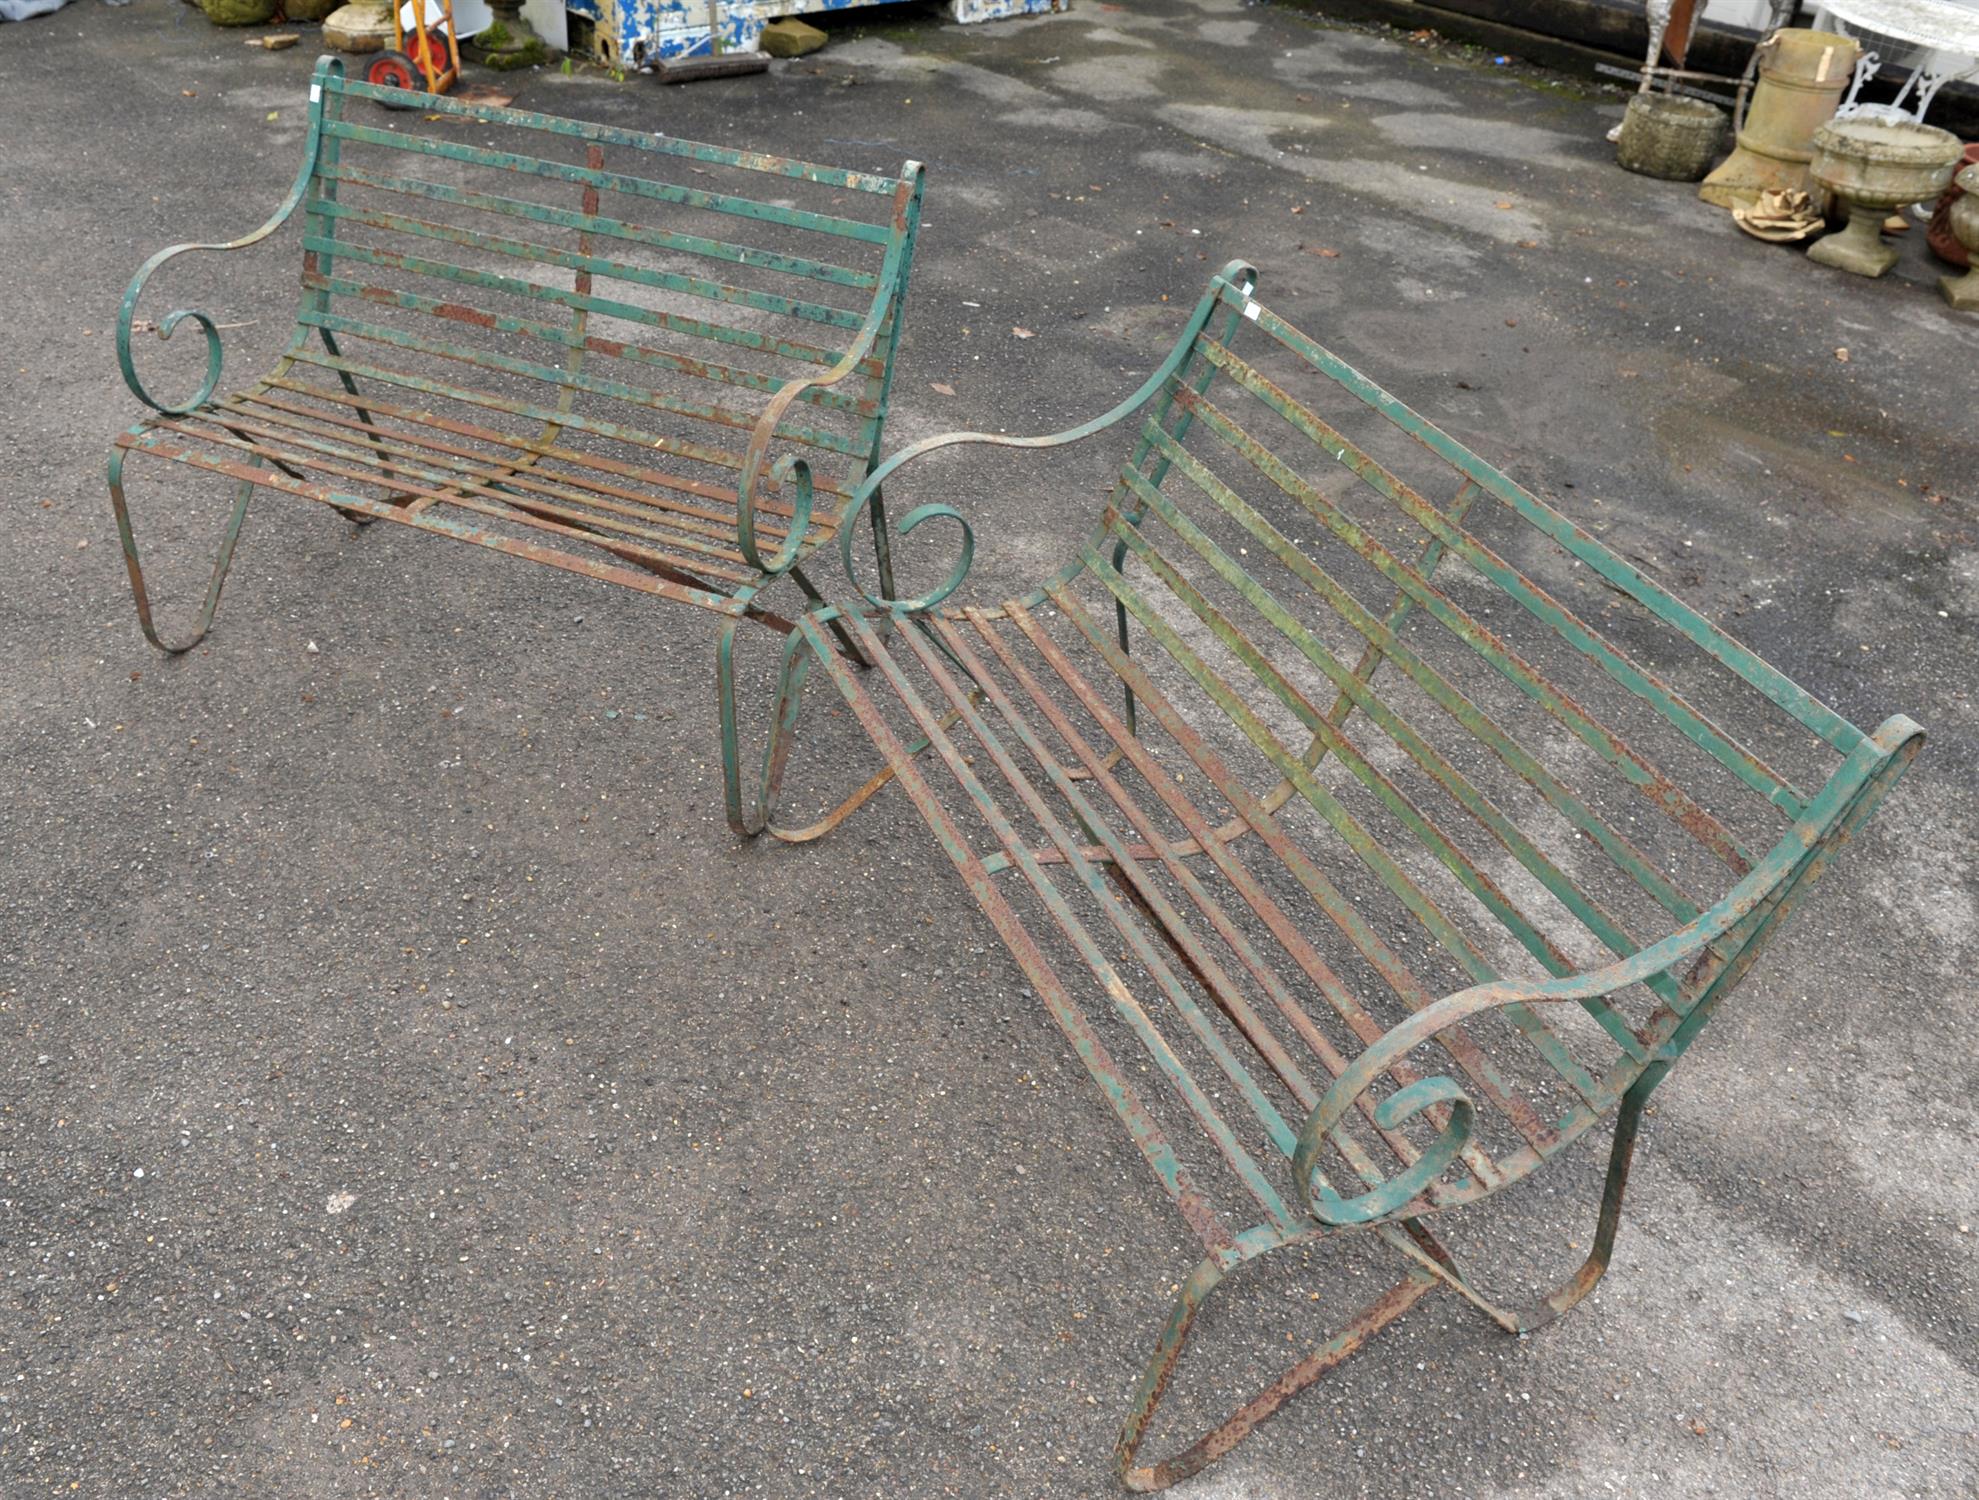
(1238, 274)
(1837, 805)
(326, 67)
(792, 469)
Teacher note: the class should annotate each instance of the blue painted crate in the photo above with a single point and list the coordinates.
(638, 33)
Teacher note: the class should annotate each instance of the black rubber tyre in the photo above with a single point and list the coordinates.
(394, 70)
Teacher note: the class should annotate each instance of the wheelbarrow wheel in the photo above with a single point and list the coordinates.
(394, 70)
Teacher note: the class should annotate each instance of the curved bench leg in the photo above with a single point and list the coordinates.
(747, 822)
(136, 569)
(789, 706)
(1420, 1245)
(1220, 1439)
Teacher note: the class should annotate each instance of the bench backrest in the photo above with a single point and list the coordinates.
(1499, 749)
(612, 289)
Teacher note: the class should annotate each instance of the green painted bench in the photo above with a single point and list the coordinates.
(1370, 829)
(572, 343)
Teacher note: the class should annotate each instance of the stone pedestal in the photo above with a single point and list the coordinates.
(510, 42)
(361, 26)
(1857, 247)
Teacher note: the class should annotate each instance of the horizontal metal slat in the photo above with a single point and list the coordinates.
(574, 260)
(616, 182)
(637, 234)
(653, 142)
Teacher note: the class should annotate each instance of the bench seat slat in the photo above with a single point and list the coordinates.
(1174, 1176)
(303, 446)
(1136, 918)
(720, 499)
(632, 436)
(518, 465)
(1283, 928)
(435, 488)
(1125, 1005)
(1100, 769)
(617, 182)
(1131, 930)
(664, 579)
(1173, 927)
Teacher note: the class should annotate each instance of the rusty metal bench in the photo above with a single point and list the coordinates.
(1400, 826)
(571, 343)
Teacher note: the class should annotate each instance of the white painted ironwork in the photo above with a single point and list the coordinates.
(1936, 40)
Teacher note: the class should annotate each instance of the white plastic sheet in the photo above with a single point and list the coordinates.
(21, 10)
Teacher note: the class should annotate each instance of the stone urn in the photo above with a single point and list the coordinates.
(1874, 167)
(1962, 292)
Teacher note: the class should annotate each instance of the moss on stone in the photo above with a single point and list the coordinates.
(504, 51)
(239, 12)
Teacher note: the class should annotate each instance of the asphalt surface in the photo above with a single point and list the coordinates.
(410, 1088)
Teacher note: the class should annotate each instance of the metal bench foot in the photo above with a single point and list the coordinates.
(1414, 1239)
(797, 658)
(136, 569)
(1219, 1440)
(749, 822)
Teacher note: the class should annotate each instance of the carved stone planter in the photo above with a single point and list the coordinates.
(1669, 136)
(1874, 167)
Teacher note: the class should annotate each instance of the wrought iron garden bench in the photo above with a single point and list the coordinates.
(496, 343)
(1401, 829)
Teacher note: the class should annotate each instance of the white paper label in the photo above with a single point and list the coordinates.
(315, 92)
(1250, 311)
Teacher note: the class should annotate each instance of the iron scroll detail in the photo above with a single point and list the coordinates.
(328, 69)
(1237, 276)
(1392, 1113)
(933, 511)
